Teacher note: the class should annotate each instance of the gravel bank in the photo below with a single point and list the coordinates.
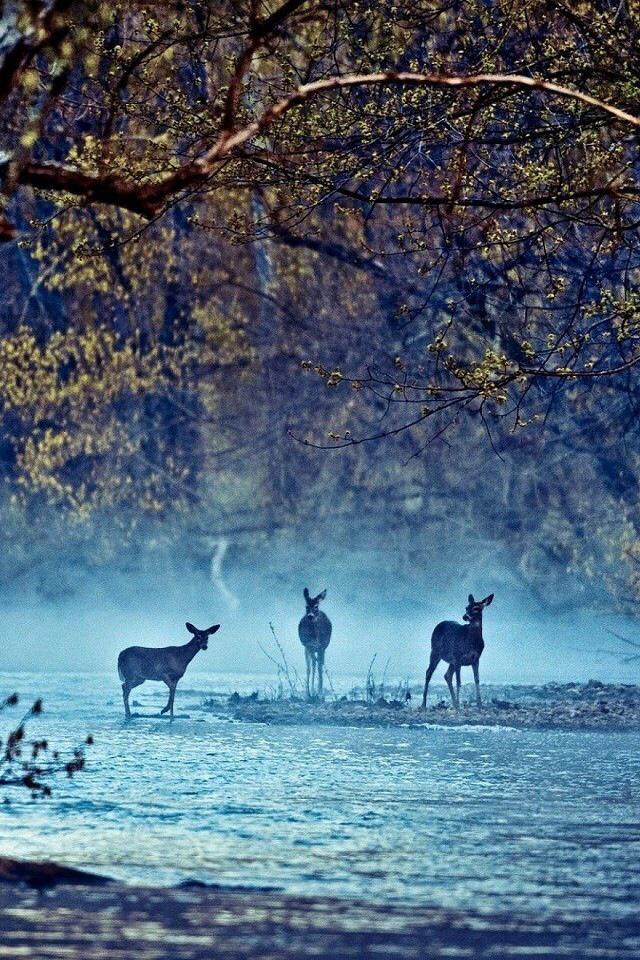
(590, 706)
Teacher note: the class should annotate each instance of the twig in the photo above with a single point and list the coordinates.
(328, 676)
(31, 772)
(369, 681)
(618, 636)
(282, 665)
(296, 680)
(384, 676)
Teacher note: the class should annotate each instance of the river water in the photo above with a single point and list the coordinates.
(483, 818)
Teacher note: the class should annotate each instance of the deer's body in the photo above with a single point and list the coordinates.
(459, 645)
(314, 631)
(167, 664)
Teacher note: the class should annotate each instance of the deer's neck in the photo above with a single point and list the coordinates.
(475, 629)
(189, 650)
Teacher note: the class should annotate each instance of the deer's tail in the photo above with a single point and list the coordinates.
(120, 672)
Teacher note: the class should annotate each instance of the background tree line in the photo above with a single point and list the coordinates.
(239, 233)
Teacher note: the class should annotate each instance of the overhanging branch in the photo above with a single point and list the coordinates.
(148, 199)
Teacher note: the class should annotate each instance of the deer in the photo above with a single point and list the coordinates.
(314, 631)
(137, 664)
(459, 645)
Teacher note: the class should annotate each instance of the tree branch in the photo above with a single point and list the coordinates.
(544, 200)
(148, 199)
(46, 30)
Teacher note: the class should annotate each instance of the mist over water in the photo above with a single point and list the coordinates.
(374, 610)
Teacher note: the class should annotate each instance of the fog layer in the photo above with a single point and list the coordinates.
(527, 639)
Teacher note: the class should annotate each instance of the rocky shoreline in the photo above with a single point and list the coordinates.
(47, 914)
(588, 706)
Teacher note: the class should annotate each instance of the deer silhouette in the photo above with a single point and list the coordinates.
(459, 645)
(314, 631)
(137, 664)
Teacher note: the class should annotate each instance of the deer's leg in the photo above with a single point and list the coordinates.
(448, 677)
(172, 692)
(172, 696)
(307, 656)
(320, 671)
(314, 682)
(126, 690)
(127, 687)
(476, 677)
(433, 663)
(458, 685)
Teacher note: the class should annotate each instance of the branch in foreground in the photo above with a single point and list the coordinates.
(30, 765)
(466, 391)
(148, 199)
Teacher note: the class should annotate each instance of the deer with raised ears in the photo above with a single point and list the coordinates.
(168, 664)
(314, 631)
(459, 645)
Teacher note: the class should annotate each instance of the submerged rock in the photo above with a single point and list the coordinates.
(41, 875)
(236, 698)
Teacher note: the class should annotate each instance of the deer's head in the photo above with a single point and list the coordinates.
(202, 636)
(473, 613)
(313, 603)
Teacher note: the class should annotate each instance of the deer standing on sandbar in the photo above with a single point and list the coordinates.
(459, 645)
(137, 664)
(314, 631)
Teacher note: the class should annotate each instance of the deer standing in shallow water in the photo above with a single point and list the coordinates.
(459, 645)
(314, 631)
(137, 664)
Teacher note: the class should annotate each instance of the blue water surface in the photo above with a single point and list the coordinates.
(482, 818)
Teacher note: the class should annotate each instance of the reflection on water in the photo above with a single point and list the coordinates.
(493, 819)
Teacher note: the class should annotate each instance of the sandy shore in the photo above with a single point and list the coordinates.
(75, 920)
(589, 706)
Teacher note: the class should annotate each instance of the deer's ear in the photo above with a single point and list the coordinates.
(190, 627)
(487, 600)
(213, 629)
(305, 593)
(322, 595)
(471, 600)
